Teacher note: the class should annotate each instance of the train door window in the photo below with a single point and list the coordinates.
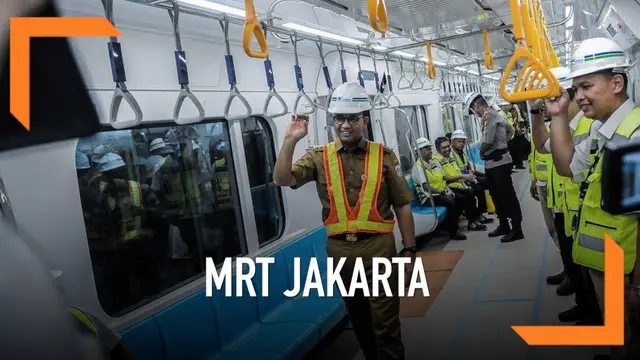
(156, 201)
(425, 116)
(403, 136)
(259, 149)
(448, 119)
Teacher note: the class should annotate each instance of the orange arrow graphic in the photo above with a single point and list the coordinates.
(21, 30)
(612, 332)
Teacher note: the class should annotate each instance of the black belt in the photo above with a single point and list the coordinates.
(354, 237)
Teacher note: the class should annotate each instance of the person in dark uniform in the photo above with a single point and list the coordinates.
(498, 165)
(343, 164)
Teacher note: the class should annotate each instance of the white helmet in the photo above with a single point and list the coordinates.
(563, 75)
(469, 99)
(458, 134)
(110, 161)
(157, 144)
(423, 142)
(597, 54)
(349, 98)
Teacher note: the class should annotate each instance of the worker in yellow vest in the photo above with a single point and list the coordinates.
(458, 182)
(601, 92)
(539, 165)
(429, 179)
(586, 310)
(357, 179)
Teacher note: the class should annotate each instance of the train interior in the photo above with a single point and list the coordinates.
(152, 290)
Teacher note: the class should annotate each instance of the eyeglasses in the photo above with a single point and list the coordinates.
(353, 119)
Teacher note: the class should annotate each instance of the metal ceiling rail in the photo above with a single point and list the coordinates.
(274, 29)
(477, 32)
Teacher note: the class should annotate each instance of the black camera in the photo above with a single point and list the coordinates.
(621, 178)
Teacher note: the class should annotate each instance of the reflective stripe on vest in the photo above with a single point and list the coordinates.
(450, 168)
(541, 164)
(434, 176)
(84, 319)
(364, 217)
(571, 189)
(462, 161)
(594, 222)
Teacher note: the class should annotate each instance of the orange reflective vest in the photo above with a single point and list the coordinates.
(364, 218)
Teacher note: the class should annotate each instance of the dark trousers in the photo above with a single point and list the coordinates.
(467, 198)
(454, 209)
(375, 319)
(478, 192)
(504, 195)
(586, 298)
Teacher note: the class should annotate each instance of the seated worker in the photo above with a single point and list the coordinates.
(458, 143)
(429, 178)
(456, 180)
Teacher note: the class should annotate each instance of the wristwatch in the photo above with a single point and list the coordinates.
(536, 111)
(411, 249)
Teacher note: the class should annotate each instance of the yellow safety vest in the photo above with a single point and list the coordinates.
(539, 164)
(450, 168)
(593, 222)
(129, 202)
(434, 175)
(571, 197)
(462, 161)
(365, 216)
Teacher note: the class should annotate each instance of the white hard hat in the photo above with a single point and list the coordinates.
(110, 161)
(598, 54)
(458, 134)
(99, 152)
(157, 144)
(469, 99)
(563, 75)
(29, 294)
(349, 98)
(423, 142)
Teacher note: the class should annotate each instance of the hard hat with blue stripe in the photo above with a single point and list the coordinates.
(349, 98)
(597, 54)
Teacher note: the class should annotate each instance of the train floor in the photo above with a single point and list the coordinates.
(492, 287)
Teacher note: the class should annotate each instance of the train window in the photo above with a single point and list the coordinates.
(259, 149)
(156, 201)
(448, 118)
(425, 116)
(404, 138)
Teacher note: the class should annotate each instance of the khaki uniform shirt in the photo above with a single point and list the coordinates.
(394, 190)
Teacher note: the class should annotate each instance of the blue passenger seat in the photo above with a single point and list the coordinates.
(267, 328)
(416, 208)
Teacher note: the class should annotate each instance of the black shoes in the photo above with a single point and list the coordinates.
(476, 226)
(458, 236)
(571, 315)
(484, 220)
(501, 230)
(514, 235)
(556, 279)
(565, 288)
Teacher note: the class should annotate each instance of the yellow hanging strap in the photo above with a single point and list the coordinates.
(488, 58)
(252, 27)
(431, 67)
(540, 37)
(534, 73)
(378, 15)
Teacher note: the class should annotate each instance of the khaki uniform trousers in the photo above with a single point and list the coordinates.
(375, 320)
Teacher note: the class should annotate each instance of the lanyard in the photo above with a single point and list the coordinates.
(585, 185)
